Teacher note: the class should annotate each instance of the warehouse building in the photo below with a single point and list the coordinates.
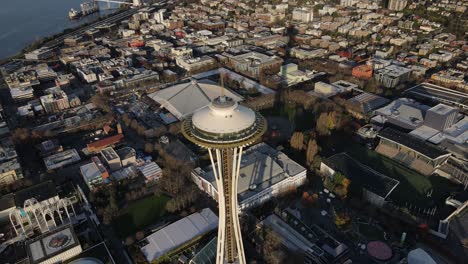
(168, 238)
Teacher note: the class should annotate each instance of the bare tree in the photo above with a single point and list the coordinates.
(149, 148)
(312, 150)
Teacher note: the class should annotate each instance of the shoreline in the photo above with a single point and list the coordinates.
(38, 43)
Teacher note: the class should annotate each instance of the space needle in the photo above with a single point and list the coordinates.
(224, 128)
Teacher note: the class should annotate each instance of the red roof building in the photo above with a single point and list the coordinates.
(362, 71)
(97, 146)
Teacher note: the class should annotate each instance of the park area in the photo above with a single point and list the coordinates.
(140, 214)
(414, 189)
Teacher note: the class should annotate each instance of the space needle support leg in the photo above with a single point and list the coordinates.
(221, 205)
(235, 205)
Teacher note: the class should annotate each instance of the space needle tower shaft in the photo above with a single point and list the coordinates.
(225, 128)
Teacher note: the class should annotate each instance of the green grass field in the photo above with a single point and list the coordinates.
(371, 232)
(140, 214)
(413, 187)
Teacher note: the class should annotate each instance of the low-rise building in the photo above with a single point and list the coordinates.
(39, 54)
(376, 187)
(193, 65)
(253, 64)
(404, 113)
(127, 156)
(363, 104)
(280, 174)
(150, 171)
(22, 94)
(307, 54)
(101, 144)
(61, 159)
(392, 75)
(94, 173)
(291, 74)
(397, 5)
(10, 171)
(316, 245)
(87, 74)
(362, 71)
(55, 102)
(411, 151)
(178, 233)
(57, 245)
(111, 158)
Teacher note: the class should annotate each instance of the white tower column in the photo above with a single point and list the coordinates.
(225, 128)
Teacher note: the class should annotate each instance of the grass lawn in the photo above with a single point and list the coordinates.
(140, 214)
(302, 119)
(371, 232)
(413, 187)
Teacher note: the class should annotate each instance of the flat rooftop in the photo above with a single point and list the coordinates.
(176, 234)
(52, 244)
(90, 171)
(261, 167)
(109, 154)
(411, 142)
(126, 152)
(61, 159)
(438, 94)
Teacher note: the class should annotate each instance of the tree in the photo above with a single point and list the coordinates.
(129, 240)
(126, 119)
(174, 128)
(141, 129)
(338, 178)
(134, 124)
(327, 122)
(312, 150)
(159, 131)
(139, 235)
(149, 148)
(342, 220)
(171, 206)
(20, 135)
(101, 101)
(271, 248)
(297, 140)
(108, 215)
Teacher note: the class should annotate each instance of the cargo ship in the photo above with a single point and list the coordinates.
(87, 8)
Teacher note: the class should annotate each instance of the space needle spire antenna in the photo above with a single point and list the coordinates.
(221, 78)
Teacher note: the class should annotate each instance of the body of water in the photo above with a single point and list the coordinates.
(25, 21)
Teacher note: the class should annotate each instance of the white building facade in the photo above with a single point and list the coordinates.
(279, 175)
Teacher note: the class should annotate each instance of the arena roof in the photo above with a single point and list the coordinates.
(184, 99)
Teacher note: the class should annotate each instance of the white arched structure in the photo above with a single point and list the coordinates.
(17, 221)
(34, 215)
